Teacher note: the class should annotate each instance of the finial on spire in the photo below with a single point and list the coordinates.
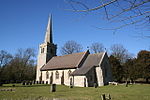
(48, 35)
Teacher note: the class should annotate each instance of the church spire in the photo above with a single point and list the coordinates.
(48, 35)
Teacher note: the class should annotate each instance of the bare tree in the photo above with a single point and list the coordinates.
(5, 58)
(71, 47)
(25, 55)
(126, 12)
(97, 47)
(118, 51)
(20, 67)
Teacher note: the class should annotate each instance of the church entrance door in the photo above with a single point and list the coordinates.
(62, 78)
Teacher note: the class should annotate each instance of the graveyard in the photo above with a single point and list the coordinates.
(43, 92)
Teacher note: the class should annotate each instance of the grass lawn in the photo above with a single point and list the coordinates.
(42, 92)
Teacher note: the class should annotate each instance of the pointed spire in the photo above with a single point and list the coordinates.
(48, 35)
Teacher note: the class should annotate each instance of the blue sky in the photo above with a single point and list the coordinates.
(23, 25)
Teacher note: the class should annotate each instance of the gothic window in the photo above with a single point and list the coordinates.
(42, 50)
(57, 75)
(47, 75)
(51, 73)
(69, 73)
(40, 78)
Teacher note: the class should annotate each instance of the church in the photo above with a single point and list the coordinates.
(78, 69)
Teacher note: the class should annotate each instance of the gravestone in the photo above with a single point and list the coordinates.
(103, 97)
(53, 88)
(33, 82)
(95, 85)
(108, 97)
(71, 86)
(37, 82)
(30, 83)
(23, 83)
(126, 83)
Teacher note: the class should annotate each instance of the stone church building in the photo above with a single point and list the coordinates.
(79, 69)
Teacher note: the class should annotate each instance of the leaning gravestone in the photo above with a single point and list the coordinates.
(53, 88)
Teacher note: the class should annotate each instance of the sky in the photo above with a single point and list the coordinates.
(23, 24)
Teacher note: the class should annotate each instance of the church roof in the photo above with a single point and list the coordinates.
(66, 61)
(92, 60)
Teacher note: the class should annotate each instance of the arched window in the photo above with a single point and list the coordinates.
(57, 75)
(69, 73)
(47, 75)
(42, 50)
(51, 73)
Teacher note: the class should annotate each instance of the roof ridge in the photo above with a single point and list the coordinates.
(70, 54)
(97, 53)
(83, 58)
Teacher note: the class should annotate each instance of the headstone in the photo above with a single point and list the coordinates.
(30, 83)
(126, 83)
(71, 86)
(42, 82)
(37, 82)
(33, 82)
(103, 97)
(95, 85)
(53, 88)
(108, 97)
(27, 83)
(23, 83)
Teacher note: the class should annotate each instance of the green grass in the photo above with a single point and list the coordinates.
(42, 92)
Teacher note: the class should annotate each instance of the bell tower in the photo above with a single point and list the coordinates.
(46, 50)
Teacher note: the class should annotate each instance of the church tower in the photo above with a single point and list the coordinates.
(46, 50)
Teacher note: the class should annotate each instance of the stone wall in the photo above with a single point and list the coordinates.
(41, 60)
(99, 76)
(63, 76)
(80, 81)
(106, 70)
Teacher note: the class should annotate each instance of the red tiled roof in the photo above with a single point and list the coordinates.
(66, 61)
